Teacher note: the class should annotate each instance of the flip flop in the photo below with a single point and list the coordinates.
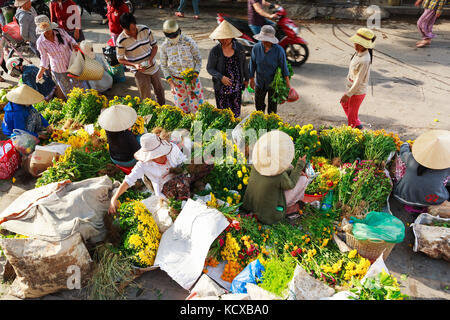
(179, 14)
(423, 43)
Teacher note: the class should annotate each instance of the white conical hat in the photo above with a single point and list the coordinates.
(273, 153)
(225, 30)
(432, 149)
(24, 95)
(117, 118)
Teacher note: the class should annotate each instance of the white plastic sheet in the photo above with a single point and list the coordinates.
(184, 246)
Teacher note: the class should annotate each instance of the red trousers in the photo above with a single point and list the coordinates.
(351, 109)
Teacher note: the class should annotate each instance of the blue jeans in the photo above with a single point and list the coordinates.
(194, 5)
(257, 29)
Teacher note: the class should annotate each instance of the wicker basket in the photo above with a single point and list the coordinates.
(369, 249)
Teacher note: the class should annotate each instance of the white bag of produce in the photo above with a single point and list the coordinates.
(205, 287)
(160, 212)
(184, 246)
(434, 241)
(305, 287)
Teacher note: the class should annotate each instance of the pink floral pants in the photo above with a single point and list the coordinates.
(186, 97)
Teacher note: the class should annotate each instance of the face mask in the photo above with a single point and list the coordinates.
(174, 40)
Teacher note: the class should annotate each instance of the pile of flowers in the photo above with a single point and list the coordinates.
(328, 177)
(141, 235)
(344, 143)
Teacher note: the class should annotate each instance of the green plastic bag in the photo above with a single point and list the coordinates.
(379, 226)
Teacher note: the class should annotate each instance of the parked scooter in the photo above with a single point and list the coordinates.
(287, 32)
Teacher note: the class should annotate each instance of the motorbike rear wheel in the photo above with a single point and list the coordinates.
(297, 54)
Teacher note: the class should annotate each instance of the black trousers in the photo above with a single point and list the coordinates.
(260, 97)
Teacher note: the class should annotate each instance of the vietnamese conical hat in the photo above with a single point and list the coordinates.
(225, 30)
(432, 149)
(24, 95)
(273, 153)
(117, 118)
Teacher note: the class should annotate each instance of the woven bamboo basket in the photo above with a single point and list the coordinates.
(369, 249)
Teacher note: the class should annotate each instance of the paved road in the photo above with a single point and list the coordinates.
(410, 89)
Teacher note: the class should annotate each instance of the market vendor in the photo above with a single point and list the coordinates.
(28, 74)
(117, 121)
(274, 188)
(158, 160)
(20, 114)
(427, 173)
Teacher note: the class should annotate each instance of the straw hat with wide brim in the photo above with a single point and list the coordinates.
(24, 95)
(19, 3)
(364, 37)
(225, 30)
(43, 24)
(152, 147)
(273, 153)
(432, 149)
(117, 118)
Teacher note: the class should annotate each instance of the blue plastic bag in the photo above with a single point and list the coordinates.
(250, 274)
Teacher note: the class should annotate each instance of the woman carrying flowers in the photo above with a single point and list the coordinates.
(273, 188)
(227, 65)
(178, 54)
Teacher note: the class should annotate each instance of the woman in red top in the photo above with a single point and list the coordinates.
(115, 9)
(67, 15)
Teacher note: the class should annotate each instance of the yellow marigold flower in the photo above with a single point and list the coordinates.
(245, 180)
(352, 254)
(239, 174)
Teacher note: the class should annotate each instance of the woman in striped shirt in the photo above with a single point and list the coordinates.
(55, 46)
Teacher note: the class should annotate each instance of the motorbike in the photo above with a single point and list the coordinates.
(287, 32)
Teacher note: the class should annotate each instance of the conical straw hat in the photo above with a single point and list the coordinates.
(24, 95)
(225, 30)
(117, 118)
(432, 149)
(273, 153)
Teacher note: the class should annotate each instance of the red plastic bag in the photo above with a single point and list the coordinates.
(13, 30)
(9, 159)
(293, 95)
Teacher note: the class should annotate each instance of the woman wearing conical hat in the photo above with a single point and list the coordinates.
(20, 114)
(425, 182)
(274, 187)
(358, 75)
(227, 65)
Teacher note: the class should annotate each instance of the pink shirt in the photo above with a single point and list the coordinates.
(54, 53)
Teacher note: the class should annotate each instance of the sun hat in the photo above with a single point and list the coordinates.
(267, 34)
(364, 37)
(24, 95)
(43, 24)
(225, 30)
(19, 3)
(170, 26)
(273, 153)
(117, 118)
(432, 149)
(152, 147)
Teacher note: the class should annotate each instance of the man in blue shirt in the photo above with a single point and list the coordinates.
(266, 57)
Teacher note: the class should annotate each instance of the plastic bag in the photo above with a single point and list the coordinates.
(13, 30)
(247, 97)
(110, 55)
(250, 274)
(24, 142)
(9, 160)
(293, 95)
(379, 226)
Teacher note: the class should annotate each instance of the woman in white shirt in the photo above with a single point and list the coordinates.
(158, 159)
(358, 75)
